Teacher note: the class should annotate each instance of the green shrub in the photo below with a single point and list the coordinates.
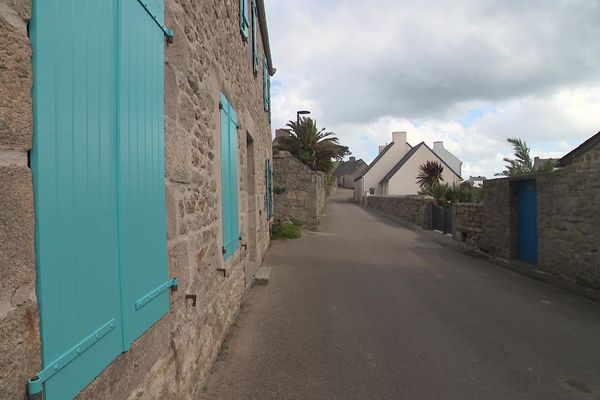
(286, 231)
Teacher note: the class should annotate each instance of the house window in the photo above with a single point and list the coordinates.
(255, 61)
(371, 191)
(244, 20)
(229, 179)
(267, 87)
(98, 172)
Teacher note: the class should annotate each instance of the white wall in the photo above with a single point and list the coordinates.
(404, 182)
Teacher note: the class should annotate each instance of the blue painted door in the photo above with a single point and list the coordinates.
(97, 164)
(528, 227)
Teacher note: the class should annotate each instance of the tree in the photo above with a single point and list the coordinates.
(522, 164)
(430, 173)
(315, 148)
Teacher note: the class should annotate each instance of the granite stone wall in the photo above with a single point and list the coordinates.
(299, 192)
(412, 209)
(19, 321)
(467, 223)
(569, 222)
(173, 358)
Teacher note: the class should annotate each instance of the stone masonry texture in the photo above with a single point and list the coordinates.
(172, 359)
(467, 223)
(412, 209)
(299, 193)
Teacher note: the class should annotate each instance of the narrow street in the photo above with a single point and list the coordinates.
(369, 309)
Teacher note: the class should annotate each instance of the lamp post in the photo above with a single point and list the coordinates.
(298, 113)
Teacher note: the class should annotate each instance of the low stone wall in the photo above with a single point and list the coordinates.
(413, 209)
(467, 223)
(299, 192)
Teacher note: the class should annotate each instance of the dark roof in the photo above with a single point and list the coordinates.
(407, 157)
(584, 148)
(381, 153)
(348, 167)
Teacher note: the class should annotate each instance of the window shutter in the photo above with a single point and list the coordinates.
(254, 38)
(229, 179)
(269, 189)
(244, 21)
(266, 84)
(97, 163)
(142, 210)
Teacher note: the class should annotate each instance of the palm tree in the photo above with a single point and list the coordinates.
(430, 174)
(315, 148)
(522, 163)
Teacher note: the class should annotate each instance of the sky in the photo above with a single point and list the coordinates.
(470, 73)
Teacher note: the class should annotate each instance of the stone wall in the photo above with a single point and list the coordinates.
(467, 223)
(412, 209)
(173, 358)
(569, 225)
(500, 213)
(19, 320)
(299, 192)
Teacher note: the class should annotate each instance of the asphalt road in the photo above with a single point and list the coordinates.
(369, 309)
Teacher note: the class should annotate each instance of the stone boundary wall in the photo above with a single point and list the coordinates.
(412, 209)
(299, 192)
(467, 223)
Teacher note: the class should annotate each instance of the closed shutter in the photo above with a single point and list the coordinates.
(244, 21)
(229, 179)
(97, 164)
(142, 211)
(255, 61)
(269, 189)
(266, 85)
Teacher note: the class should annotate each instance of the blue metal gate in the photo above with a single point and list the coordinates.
(528, 228)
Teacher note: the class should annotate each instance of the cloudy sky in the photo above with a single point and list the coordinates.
(468, 72)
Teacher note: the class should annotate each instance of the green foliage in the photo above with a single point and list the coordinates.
(522, 164)
(315, 148)
(445, 195)
(286, 231)
(430, 173)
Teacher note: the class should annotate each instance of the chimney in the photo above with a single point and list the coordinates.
(438, 146)
(399, 137)
(381, 148)
(352, 159)
(281, 133)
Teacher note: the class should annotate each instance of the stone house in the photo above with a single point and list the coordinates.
(394, 171)
(135, 153)
(347, 171)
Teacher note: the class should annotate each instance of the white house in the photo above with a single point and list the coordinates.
(402, 179)
(368, 181)
(394, 171)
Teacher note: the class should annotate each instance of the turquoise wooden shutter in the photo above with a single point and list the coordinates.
(266, 84)
(229, 179)
(244, 21)
(74, 165)
(97, 164)
(255, 61)
(142, 215)
(269, 189)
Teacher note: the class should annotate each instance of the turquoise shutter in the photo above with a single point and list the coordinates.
(98, 182)
(244, 21)
(74, 162)
(266, 84)
(269, 189)
(254, 38)
(144, 266)
(229, 179)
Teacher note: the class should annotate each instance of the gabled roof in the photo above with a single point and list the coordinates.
(348, 167)
(407, 157)
(584, 148)
(381, 153)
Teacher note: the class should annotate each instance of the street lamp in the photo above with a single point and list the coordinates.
(298, 113)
